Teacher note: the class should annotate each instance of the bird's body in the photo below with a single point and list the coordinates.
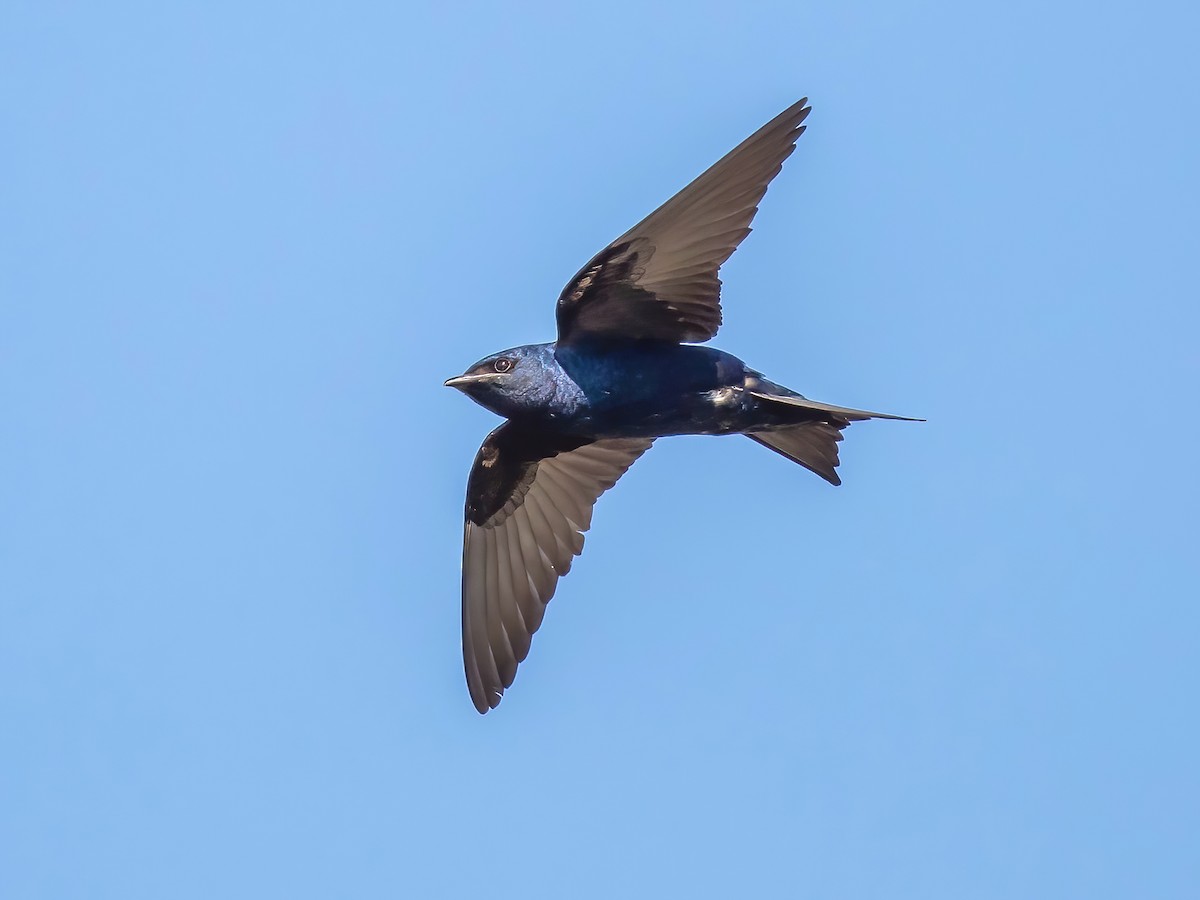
(643, 389)
(657, 390)
(626, 389)
(622, 373)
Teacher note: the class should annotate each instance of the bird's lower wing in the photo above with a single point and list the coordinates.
(529, 501)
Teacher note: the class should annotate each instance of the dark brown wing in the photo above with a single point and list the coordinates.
(529, 500)
(659, 280)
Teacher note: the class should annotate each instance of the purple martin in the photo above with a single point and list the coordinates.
(622, 373)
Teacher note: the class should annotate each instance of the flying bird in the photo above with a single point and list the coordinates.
(624, 371)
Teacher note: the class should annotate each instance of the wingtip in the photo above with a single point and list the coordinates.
(794, 115)
(798, 112)
(485, 704)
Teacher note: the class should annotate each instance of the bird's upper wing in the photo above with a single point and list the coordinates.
(659, 280)
(529, 500)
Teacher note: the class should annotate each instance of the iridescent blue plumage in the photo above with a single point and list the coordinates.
(623, 372)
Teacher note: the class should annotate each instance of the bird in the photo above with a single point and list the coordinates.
(626, 369)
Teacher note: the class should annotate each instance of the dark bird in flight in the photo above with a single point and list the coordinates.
(580, 410)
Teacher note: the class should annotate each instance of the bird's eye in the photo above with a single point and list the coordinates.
(503, 364)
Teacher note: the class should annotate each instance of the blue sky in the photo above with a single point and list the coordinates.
(241, 246)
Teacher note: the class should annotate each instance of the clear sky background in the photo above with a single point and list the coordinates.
(241, 247)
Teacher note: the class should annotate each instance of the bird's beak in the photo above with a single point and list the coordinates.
(465, 381)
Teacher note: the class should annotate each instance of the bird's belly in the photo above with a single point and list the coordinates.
(725, 410)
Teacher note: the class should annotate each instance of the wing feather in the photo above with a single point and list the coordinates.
(529, 501)
(502, 653)
(658, 281)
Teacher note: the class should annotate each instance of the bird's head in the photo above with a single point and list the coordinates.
(511, 383)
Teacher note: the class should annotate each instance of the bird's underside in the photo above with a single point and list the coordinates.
(582, 410)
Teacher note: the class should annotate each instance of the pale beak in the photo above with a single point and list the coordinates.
(463, 381)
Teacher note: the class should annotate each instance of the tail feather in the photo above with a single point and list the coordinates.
(840, 412)
(813, 445)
